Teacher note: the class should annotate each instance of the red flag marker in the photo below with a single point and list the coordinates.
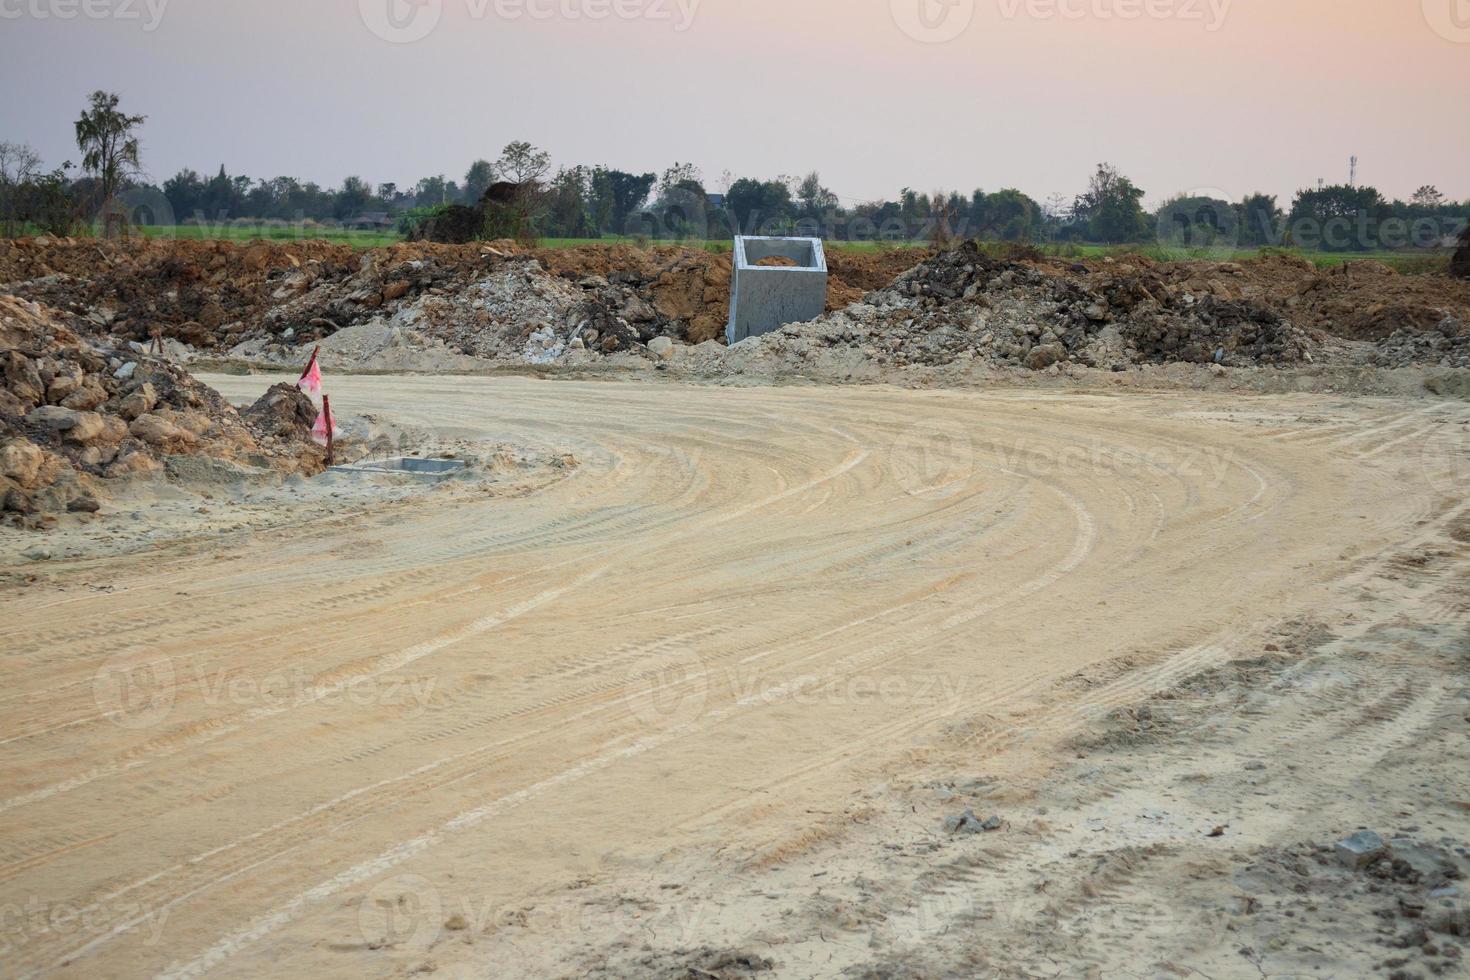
(311, 379)
(325, 431)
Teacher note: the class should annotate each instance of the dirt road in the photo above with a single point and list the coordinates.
(372, 744)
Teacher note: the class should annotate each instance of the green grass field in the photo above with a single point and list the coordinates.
(275, 233)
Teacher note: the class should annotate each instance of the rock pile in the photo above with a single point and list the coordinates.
(1447, 345)
(424, 306)
(73, 414)
(963, 305)
(278, 297)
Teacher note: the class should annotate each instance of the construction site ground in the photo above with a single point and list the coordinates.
(687, 681)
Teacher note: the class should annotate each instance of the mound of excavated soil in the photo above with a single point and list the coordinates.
(218, 295)
(1356, 300)
(962, 305)
(432, 305)
(74, 414)
(1460, 263)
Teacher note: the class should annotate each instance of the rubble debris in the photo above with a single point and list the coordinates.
(968, 823)
(214, 296)
(962, 305)
(1360, 850)
(427, 306)
(1447, 344)
(71, 418)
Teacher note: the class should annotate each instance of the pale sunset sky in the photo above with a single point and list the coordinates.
(1222, 96)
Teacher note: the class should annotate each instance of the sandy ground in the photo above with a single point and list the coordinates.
(701, 704)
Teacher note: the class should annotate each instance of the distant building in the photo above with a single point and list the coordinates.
(716, 201)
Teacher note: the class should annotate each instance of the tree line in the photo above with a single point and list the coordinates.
(110, 191)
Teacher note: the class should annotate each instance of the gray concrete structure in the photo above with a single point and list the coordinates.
(763, 298)
(423, 469)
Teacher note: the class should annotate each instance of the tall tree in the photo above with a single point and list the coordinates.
(433, 191)
(1429, 197)
(1260, 220)
(1198, 221)
(1008, 215)
(815, 200)
(19, 164)
(185, 193)
(1337, 218)
(566, 207)
(110, 149)
(477, 181)
(522, 163)
(617, 195)
(354, 197)
(760, 205)
(1112, 207)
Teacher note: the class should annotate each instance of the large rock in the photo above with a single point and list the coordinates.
(140, 402)
(133, 463)
(52, 417)
(160, 433)
(1360, 850)
(86, 398)
(1045, 355)
(86, 428)
(65, 383)
(20, 460)
(22, 380)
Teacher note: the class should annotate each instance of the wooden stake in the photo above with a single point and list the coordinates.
(315, 351)
(327, 420)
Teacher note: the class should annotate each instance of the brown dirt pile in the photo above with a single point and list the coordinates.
(1460, 263)
(685, 293)
(217, 295)
(963, 305)
(662, 291)
(1356, 300)
(74, 414)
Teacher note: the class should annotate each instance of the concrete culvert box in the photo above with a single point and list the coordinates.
(430, 469)
(792, 288)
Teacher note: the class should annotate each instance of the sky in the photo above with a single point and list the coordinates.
(1224, 97)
